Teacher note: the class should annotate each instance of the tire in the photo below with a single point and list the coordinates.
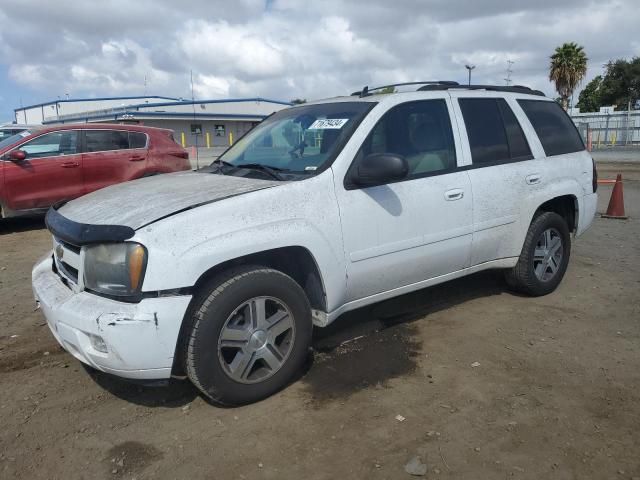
(232, 350)
(539, 270)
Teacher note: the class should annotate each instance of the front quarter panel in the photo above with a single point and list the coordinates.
(184, 246)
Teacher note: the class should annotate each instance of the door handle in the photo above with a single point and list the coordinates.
(136, 158)
(70, 164)
(454, 194)
(533, 179)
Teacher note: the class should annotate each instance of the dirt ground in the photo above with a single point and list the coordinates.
(556, 394)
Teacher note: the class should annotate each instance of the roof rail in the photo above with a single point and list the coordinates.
(491, 88)
(366, 91)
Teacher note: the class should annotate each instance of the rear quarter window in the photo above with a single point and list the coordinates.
(137, 140)
(557, 133)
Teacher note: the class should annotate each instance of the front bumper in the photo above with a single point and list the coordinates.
(140, 338)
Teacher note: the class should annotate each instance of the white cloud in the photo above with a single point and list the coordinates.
(294, 48)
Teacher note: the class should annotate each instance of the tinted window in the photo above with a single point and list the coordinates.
(52, 144)
(556, 131)
(105, 140)
(487, 136)
(518, 146)
(419, 131)
(137, 140)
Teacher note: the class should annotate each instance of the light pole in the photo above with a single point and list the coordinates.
(469, 67)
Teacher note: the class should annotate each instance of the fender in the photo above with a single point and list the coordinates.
(553, 189)
(172, 270)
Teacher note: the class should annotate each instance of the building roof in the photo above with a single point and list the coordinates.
(97, 99)
(146, 110)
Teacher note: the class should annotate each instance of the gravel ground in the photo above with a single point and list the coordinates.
(473, 380)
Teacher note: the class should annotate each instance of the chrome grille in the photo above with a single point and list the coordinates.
(68, 260)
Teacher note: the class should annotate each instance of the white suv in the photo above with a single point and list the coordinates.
(220, 274)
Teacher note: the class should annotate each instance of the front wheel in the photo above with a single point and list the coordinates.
(544, 258)
(249, 336)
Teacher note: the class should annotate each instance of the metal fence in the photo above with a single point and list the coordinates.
(601, 130)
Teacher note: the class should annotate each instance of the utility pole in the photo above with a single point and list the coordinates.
(469, 67)
(193, 104)
(509, 72)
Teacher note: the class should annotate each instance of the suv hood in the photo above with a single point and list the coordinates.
(140, 202)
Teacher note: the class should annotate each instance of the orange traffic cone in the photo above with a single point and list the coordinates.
(616, 203)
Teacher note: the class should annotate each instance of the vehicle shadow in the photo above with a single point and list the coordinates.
(169, 394)
(369, 346)
(24, 224)
(408, 308)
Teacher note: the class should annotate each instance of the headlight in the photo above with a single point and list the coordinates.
(115, 268)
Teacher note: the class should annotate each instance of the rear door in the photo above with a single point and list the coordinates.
(502, 173)
(51, 172)
(112, 156)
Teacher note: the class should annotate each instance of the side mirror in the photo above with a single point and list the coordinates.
(380, 168)
(18, 156)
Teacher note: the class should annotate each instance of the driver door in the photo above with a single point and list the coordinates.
(403, 233)
(51, 172)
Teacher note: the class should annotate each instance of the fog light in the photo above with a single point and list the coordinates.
(98, 343)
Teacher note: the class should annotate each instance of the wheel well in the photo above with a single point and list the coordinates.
(297, 262)
(566, 206)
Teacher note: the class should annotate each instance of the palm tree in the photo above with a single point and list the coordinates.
(567, 68)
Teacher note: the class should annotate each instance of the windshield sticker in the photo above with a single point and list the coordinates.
(309, 168)
(26, 133)
(328, 123)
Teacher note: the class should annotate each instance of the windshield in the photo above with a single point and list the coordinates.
(8, 141)
(298, 140)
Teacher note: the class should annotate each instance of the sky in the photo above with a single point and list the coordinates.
(285, 49)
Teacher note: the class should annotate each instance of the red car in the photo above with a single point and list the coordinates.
(40, 167)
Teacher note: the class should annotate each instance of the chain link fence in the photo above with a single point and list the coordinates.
(601, 130)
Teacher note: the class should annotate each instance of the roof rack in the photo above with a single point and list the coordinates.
(366, 91)
(491, 88)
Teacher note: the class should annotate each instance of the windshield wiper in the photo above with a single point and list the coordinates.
(272, 171)
(221, 163)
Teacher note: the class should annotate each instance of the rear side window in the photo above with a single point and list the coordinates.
(108, 140)
(493, 130)
(554, 128)
(137, 140)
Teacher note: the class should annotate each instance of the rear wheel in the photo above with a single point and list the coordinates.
(544, 258)
(249, 335)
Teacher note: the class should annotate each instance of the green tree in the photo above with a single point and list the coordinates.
(387, 90)
(621, 83)
(567, 68)
(590, 97)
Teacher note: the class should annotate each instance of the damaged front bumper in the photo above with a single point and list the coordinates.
(130, 340)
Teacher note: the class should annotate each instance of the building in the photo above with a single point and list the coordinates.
(205, 123)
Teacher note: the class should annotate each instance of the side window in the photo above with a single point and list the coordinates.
(52, 144)
(554, 128)
(138, 140)
(493, 131)
(106, 140)
(420, 131)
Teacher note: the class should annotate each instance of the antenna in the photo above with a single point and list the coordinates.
(145, 84)
(193, 104)
(509, 72)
